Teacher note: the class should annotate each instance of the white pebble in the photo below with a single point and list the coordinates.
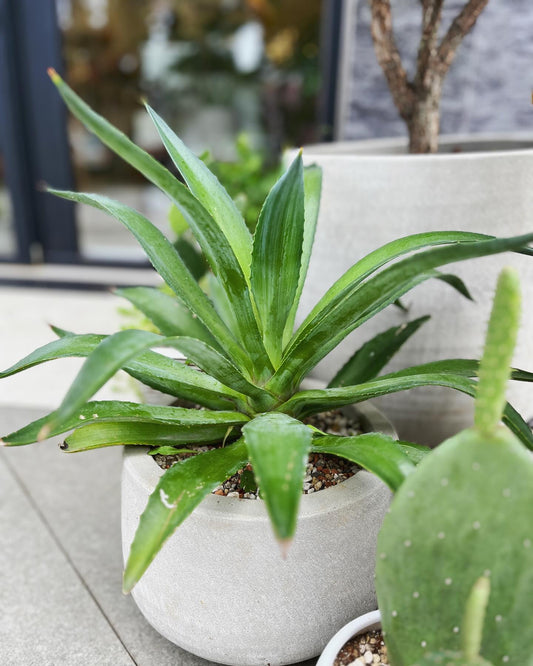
(416, 595)
(448, 581)
(498, 618)
(394, 613)
(233, 494)
(505, 658)
(456, 630)
(368, 657)
(423, 643)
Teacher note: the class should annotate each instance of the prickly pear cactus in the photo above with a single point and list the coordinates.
(450, 659)
(466, 512)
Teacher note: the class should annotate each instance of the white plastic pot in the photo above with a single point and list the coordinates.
(219, 587)
(360, 625)
(373, 192)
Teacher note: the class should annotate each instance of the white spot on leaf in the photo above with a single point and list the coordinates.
(448, 581)
(164, 500)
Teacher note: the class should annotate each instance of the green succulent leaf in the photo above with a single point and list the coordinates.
(375, 452)
(373, 356)
(191, 257)
(151, 433)
(209, 192)
(278, 446)
(383, 255)
(102, 411)
(305, 403)
(150, 368)
(168, 264)
(209, 360)
(202, 183)
(312, 190)
(108, 357)
(276, 256)
(415, 452)
(166, 312)
(178, 493)
(354, 304)
(457, 366)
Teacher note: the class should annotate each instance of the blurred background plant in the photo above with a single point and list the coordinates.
(239, 78)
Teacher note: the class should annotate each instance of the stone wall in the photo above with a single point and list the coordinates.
(488, 88)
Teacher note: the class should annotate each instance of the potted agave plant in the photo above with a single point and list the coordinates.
(218, 586)
(459, 525)
(376, 189)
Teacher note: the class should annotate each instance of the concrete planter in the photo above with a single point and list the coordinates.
(373, 193)
(219, 587)
(360, 625)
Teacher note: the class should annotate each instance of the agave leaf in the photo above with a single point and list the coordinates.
(151, 433)
(375, 452)
(209, 360)
(222, 304)
(177, 494)
(109, 356)
(415, 452)
(276, 256)
(312, 189)
(278, 446)
(99, 411)
(168, 264)
(350, 307)
(70, 346)
(167, 313)
(150, 368)
(217, 246)
(373, 356)
(319, 400)
(201, 181)
(192, 257)
(375, 260)
(209, 192)
(456, 283)
(456, 366)
(284, 382)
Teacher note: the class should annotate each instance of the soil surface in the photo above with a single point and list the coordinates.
(323, 470)
(367, 648)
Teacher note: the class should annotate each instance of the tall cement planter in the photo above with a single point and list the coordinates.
(373, 193)
(219, 587)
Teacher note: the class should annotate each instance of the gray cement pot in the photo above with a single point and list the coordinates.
(373, 193)
(219, 587)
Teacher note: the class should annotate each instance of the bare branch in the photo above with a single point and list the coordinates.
(427, 50)
(389, 58)
(460, 27)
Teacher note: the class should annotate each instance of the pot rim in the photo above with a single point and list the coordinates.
(147, 473)
(366, 622)
(377, 149)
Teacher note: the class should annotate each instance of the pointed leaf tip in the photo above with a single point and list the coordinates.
(284, 545)
(53, 75)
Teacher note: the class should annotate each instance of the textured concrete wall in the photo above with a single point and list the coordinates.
(488, 88)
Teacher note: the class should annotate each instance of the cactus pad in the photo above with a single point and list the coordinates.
(450, 659)
(465, 513)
